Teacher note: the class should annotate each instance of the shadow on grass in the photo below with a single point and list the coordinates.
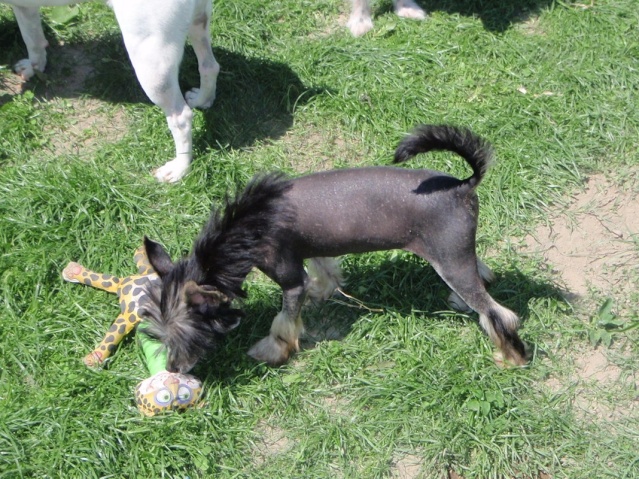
(403, 285)
(256, 98)
(496, 15)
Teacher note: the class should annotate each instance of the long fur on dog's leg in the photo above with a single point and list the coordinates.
(501, 326)
(287, 326)
(283, 340)
(325, 276)
(270, 350)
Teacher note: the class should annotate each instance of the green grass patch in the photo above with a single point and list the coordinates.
(390, 374)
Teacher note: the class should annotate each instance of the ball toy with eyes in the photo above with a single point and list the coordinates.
(163, 390)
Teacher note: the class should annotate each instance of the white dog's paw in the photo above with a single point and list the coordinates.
(172, 171)
(24, 68)
(196, 99)
(409, 9)
(359, 25)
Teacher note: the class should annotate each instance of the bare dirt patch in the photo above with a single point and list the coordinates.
(87, 123)
(593, 246)
(79, 124)
(406, 467)
(318, 149)
(593, 249)
(272, 442)
(597, 387)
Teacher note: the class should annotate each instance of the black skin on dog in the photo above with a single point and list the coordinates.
(277, 223)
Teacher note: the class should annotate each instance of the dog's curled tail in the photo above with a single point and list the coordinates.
(474, 149)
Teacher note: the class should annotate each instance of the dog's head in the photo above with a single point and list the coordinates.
(188, 317)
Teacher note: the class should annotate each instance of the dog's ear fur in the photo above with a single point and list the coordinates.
(228, 320)
(158, 257)
(197, 295)
(206, 296)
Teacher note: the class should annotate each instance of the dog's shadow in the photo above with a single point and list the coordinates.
(496, 15)
(403, 285)
(256, 97)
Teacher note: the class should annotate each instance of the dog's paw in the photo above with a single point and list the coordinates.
(195, 98)
(359, 25)
(25, 69)
(409, 9)
(511, 362)
(172, 171)
(271, 350)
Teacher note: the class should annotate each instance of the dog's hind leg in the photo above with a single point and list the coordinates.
(409, 9)
(325, 276)
(499, 322)
(455, 301)
(462, 274)
(31, 29)
(199, 35)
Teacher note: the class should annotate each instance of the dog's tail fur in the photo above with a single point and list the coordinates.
(475, 150)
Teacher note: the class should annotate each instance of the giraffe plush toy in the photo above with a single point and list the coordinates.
(162, 390)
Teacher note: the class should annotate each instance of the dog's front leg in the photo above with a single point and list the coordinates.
(287, 326)
(31, 29)
(360, 20)
(155, 43)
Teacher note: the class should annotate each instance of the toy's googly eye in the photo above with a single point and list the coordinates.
(184, 394)
(163, 397)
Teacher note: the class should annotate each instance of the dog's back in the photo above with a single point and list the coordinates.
(380, 208)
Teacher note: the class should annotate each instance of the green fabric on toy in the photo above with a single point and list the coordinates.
(162, 391)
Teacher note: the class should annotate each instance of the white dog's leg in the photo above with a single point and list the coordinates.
(209, 68)
(409, 9)
(31, 29)
(360, 20)
(155, 44)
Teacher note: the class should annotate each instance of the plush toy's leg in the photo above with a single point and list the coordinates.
(76, 273)
(142, 261)
(122, 326)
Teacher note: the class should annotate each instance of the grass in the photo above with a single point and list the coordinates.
(400, 378)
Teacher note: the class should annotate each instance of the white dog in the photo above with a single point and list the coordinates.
(154, 35)
(360, 20)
